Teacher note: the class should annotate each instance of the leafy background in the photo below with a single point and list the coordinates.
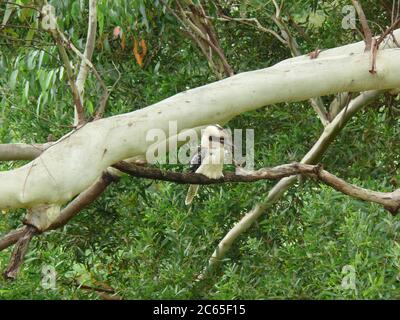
(139, 238)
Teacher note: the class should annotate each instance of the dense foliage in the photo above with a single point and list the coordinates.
(139, 238)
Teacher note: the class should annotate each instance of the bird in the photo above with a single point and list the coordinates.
(209, 157)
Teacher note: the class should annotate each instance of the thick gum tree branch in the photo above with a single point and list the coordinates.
(345, 50)
(316, 102)
(56, 175)
(390, 200)
(84, 199)
(288, 40)
(22, 236)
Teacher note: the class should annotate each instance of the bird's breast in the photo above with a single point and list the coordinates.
(212, 164)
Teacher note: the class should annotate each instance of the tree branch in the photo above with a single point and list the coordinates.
(89, 48)
(21, 151)
(364, 23)
(11, 238)
(70, 74)
(388, 31)
(316, 102)
(253, 22)
(22, 236)
(77, 86)
(106, 92)
(390, 200)
(288, 40)
(84, 199)
(99, 144)
(196, 25)
(104, 98)
(19, 252)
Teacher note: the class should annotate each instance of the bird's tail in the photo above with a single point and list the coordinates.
(192, 191)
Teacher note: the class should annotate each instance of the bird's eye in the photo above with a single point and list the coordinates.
(221, 140)
(210, 138)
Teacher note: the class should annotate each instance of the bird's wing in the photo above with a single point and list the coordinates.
(195, 162)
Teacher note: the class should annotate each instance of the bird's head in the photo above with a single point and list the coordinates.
(214, 136)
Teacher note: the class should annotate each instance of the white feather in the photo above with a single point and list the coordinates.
(212, 161)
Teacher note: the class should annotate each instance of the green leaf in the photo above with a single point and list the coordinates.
(7, 13)
(75, 10)
(26, 90)
(100, 20)
(25, 14)
(61, 73)
(316, 19)
(41, 56)
(30, 34)
(142, 10)
(13, 79)
(38, 104)
(48, 79)
(213, 10)
(42, 79)
(157, 67)
(89, 106)
(30, 61)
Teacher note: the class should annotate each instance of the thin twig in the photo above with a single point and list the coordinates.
(388, 31)
(87, 55)
(252, 22)
(364, 23)
(106, 94)
(70, 74)
(192, 24)
(23, 6)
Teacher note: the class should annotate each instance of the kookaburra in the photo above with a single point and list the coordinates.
(209, 158)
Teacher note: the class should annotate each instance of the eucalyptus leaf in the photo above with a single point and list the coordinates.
(13, 79)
